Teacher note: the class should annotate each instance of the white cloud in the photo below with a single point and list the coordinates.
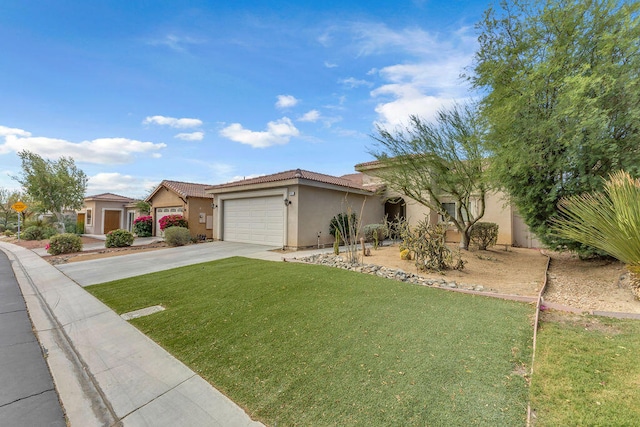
(417, 89)
(310, 116)
(330, 64)
(286, 101)
(124, 185)
(99, 151)
(6, 131)
(354, 83)
(409, 101)
(177, 43)
(427, 79)
(423, 86)
(193, 136)
(173, 122)
(278, 132)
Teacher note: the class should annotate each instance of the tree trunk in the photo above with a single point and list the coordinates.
(464, 239)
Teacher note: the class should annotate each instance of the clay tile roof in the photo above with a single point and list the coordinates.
(110, 197)
(356, 178)
(188, 189)
(366, 164)
(294, 174)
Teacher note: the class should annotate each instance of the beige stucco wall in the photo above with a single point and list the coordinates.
(97, 212)
(198, 210)
(309, 212)
(317, 206)
(192, 208)
(496, 210)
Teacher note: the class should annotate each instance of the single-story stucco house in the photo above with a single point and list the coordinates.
(511, 227)
(183, 198)
(102, 213)
(292, 209)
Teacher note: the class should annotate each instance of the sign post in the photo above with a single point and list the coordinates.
(19, 207)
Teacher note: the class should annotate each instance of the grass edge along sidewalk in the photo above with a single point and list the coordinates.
(312, 345)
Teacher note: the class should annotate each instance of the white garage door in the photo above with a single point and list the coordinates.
(162, 212)
(258, 220)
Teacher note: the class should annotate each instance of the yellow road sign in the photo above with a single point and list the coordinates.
(18, 206)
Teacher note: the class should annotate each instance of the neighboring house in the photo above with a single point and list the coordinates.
(183, 198)
(105, 212)
(291, 209)
(511, 228)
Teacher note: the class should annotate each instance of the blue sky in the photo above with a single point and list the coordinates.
(210, 91)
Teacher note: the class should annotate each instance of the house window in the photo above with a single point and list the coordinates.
(450, 208)
(89, 217)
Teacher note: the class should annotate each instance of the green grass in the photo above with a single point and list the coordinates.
(587, 372)
(302, 344)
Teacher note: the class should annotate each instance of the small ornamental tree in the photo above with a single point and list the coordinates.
(142, 226)
(173, 221)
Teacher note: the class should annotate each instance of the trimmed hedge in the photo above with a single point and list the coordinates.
(65, 243)
(119, 239)
(177, 236)
(484, 234)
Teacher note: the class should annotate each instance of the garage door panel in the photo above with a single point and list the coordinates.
(257, 220)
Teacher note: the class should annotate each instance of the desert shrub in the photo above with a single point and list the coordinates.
(427, 245)
(484, 234)
(70, 224)
(343, 222)
(172, 221)
(143, 226)
(119, 239)
(177, 236)
(405, 254)
(38, 232)
(375, 233)
(64, 243)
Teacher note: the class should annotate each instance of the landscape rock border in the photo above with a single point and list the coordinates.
(338, 261)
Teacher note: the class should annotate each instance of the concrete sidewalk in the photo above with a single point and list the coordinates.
(107, 372)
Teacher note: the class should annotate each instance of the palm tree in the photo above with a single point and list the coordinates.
(609, 221)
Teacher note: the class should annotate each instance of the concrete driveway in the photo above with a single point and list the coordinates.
(102, 270)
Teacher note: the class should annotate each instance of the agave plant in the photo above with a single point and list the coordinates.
(609, 221)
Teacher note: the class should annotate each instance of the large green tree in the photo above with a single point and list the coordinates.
(56, 185)
(437, 162)
(562, 85)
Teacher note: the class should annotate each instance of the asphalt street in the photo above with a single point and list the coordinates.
(27, 394)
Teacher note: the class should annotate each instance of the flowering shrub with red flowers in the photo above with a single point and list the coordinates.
(172, 221)
(143, 226)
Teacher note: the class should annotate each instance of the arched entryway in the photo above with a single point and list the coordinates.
(395, 209)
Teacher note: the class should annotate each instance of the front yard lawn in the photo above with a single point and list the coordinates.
(298, 344)
(587, 371)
